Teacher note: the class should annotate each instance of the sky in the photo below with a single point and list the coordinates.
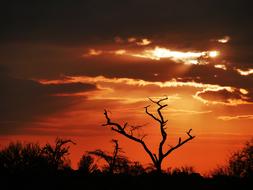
(63, 62)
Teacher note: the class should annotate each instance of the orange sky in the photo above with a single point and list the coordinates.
(62, 64)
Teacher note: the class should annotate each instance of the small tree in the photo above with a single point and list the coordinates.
(115, 161)
(157, 158)
(86, 164)
(241, 162)
(56, 155)
(22, 158)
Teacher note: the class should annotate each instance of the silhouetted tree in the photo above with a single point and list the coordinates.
(240, 163)
(116, 162)
(86, 165)
(125, 130)
(31, 158)
(57, 155)
(19, 157)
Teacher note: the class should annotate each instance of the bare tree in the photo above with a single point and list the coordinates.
(56, 155)
(115, 161)
(157, 158)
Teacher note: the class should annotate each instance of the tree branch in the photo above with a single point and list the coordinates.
(180, 143)
(150, 114)
(119, 129)
(162, 123)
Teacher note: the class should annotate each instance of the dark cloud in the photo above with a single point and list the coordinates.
(223, 95)
(144, 69)
(90, 20)
(181, 24)
(24, 100)
(211, 75)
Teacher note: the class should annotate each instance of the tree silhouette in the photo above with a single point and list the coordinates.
(20, 157)
(241, 162)
(125, 130)
(32, 158)
(115, 161)
(86, 165)
(56, 155)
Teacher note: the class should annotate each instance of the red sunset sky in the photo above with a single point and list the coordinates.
(62, 63)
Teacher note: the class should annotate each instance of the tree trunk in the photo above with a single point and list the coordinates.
(158, 167)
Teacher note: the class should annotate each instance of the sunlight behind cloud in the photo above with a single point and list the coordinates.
(224, 40)
(186, 57)
(213, 53)
(93, 52)
(144, 42)
(120, 52)
(244, 91)
(221, 67)
(245, 72)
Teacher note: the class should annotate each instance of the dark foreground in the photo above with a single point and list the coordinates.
(77, 181)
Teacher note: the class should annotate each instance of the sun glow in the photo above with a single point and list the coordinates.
(144, 42)
(187, 57)
(213, 54)
(158, 53)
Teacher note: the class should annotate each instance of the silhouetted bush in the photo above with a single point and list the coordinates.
(19, 158)
(182, 171)
(115, 162)
(136, 169)
(87, 165)
(31, 158)
(220, 171)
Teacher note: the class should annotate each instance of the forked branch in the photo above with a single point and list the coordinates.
(180, 143)
(122, 130)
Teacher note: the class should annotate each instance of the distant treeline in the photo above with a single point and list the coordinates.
(30, 163)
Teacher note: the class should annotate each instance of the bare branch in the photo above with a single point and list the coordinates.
(119, 129)
(151, 115)
(179, 140)
(188, 133)
(180, 143)
(143, 136)
(162, 123)
(125, 125)
(159, 101)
